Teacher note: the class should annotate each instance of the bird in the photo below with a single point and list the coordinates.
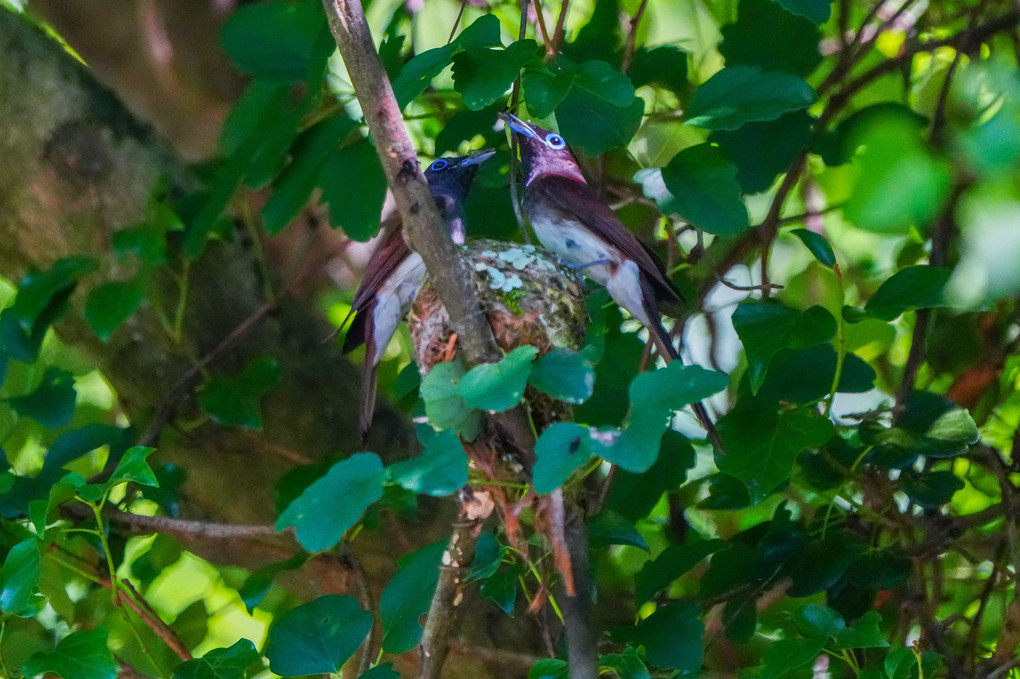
(572, 221)
(395, 271)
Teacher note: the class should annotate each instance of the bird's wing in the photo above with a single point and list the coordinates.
(580, 202)
(384, 262)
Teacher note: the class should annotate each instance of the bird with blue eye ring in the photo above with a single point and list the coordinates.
(394, 273)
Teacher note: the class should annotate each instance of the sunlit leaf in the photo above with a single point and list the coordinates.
(319, 519)
(792, 45)
(220, 663)
(19, 580)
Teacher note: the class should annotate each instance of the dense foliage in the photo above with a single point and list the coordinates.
(835, 190)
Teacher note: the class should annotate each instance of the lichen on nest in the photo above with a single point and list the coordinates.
(530, 298)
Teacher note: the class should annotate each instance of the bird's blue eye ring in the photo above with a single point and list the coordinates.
(439, 165)
(555, 141)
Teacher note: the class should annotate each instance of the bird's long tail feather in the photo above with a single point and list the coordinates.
(369, 370)
(669, 353)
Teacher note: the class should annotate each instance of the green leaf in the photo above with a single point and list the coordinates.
(665, 66)
(815, 10)
(819, 622)
(785, 655)
(489, 555)
(19, 580)
(564, 374)
(293, 187)
(383, 671)
(916, 287)
(931, 489)
(133, 467)
(498, 386)
(416, 74)
(895, 154)
(700, 185)
(112, 303)
(73, 444)
(738, 95)
(549, 668)
(930, 425)
(817, 245)
(354, 166)
(482, 76)
(79, 655)
(671, 637)
(52, 403)
(862, 634)
(501, 589)
(561, 449)
(601, 110)
(762, 151)
(657, 574)
(407, 597)
(609, 528)
(792, 44)
(441, 469)
(764, 327)
(545, 89)
(806, 375)
(42, 295)
(257, 585)
(879, 569)
(762, 444)
(220, 663)
(277, 40)
(236, 400)
(319, 519)
(626, 665)
(634, 495)
(654, 396)
(317, 637)
(443, 404)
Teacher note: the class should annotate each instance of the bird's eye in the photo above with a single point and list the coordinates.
(439, 165)
(555, 141)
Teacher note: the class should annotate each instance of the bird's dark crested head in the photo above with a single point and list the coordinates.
(542, 151)
(449, 180)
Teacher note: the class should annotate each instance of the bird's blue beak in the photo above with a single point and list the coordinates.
(478, 158)
(518, 125)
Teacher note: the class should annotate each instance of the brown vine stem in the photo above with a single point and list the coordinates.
(561, 21)
(446, 601)
(628, 50)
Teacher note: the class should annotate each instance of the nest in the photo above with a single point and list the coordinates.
(529, 298)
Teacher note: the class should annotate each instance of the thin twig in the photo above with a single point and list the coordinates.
(628, 50)
(561, 21)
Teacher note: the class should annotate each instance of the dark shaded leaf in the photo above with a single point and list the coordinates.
(236, 400)
(19, 580)
(815, 10)
(792, 44)
(407, 597)
(483, 76)
(762, 151)
(916, 287)
(626, 665)
(354, 166)
(601, 110)
(443, 404)
(664, 66)
(818, 246)
(738, 95)
(785, 655)
(932, 489)
(806, 375)
(634, 495)
(879, 569)
(112, 303)
(317, 637)
(762, 444)
(609, 528)
(767, 326)
(699, 184)
(277, 40)
(52, 403)
(501, 589)
(657, 574)
(671, 637)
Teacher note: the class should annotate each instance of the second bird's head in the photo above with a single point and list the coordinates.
(542, 151)
(449, 180)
